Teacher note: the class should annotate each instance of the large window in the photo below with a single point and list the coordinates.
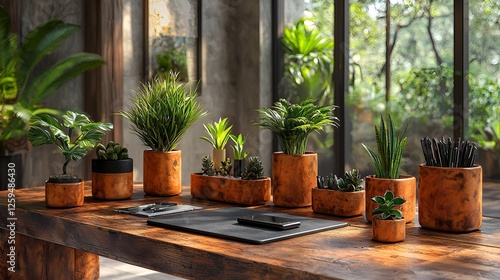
(401, 62)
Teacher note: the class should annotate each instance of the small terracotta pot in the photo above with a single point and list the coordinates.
(389, 231)
(405, 187)
(231, 190)
(112, 179)
(218, 155)
(64, 195)
(162, 173)
(450, 198)
(293, 178)
(337, 203)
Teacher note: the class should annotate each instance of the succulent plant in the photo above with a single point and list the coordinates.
(350, 183)
(207, 166)
(112, 151)
(225, 168)
(254, 169)
(386, 206)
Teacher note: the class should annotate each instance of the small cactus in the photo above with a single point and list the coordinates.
(112, 151)
(351, 182)
(225, 167)
(254, 169)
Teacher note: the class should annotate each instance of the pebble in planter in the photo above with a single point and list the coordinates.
(112, 172)
(253, 188)
(343, 197)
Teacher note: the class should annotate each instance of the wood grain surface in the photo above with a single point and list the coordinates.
(345, 253)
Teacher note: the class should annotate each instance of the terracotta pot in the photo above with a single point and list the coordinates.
(231, 190)
(64, 195)
(162, 173)
(112, 179)
(389, 231)
(337, 203)
(405, 187)
(293, 178)
(450, 199)
(218, 155)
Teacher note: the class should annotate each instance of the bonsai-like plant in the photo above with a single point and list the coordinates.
(390, 147)
(292, 123)
(239, 146)
(218, 133)
(386, 206)
(74, 136)
(351, 182)
(163, 110)
(21, 89)
(112, 151)
(254, 169)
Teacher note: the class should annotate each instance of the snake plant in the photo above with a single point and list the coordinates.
(390, 147)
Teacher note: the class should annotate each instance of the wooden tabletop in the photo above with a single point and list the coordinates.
(345, 253)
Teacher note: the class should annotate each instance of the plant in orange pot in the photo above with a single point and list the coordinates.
(112, 172)
(252, 188)
(343, 197)
(450, 171)
(387, 161)
(294, 170)
(162, 111)
(66, 190)
(388, 222)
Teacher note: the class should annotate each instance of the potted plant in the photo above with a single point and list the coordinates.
(450, 171)
(252, 188)
(343, 197)
(294, 170)
(162, 111)
(388, 222)
(112, 172)
(22, 89)
(218, 136)
(74, 136)
(239, 154)
(390, 147)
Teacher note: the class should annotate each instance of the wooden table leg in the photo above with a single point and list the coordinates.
(38, 259)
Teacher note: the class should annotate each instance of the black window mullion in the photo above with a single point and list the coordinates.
(461, 68)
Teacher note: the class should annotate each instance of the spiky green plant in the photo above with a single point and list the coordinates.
(292, 123)
(239, 146)
(390, 147)
(207, 166)
(163, 110)
(24, 88)
(82, 134)
(386, 206)
(218, 133)
(112, 151)
(254, 169)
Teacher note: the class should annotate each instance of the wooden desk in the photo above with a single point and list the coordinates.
(347, 253)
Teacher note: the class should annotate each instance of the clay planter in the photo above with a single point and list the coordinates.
(64, 195)
(218, 156)
(231, 190)
(337, 203)
(293, 178)
(162, 173)
(404, 187)
(389, 231)
(112, 179)
(450, 199)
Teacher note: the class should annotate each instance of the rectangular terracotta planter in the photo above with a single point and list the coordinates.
(231, 190)
(337, 203)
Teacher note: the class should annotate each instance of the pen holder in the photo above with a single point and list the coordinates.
(450, 198)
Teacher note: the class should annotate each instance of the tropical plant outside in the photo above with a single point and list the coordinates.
(162, 111)
(21, 88)
(74, 135)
